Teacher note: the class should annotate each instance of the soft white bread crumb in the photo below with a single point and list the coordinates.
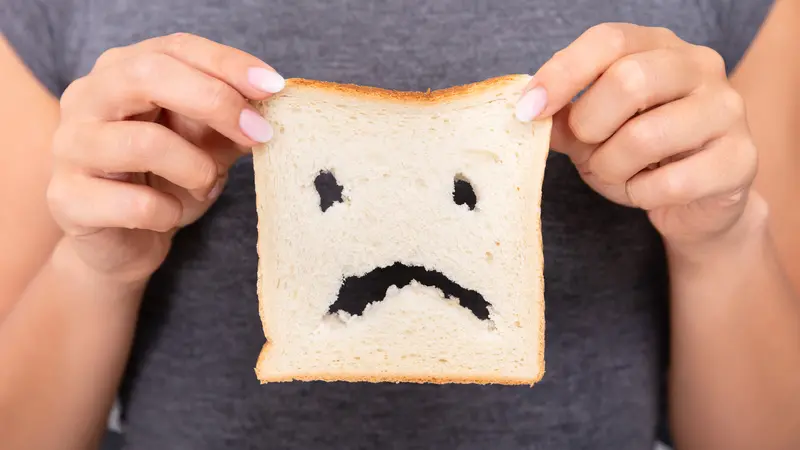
(397, 156)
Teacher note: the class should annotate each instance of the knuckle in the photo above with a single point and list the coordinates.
(146, 210)
(631, 79)
(751, 154)
(558, 54)
(108, 57)
(611, 34)
(73, 94)
(142, 139)
(129, 142)
(760, 208)
(60, 202)
(216, 97)
(675, 187)
(732, 102)
(641, 133)
(710, 60)
(140, 142)
(219, 59)
(146, 67)
(665, 35)
(558, 67)
(607, 171)
(578, 126)
(154, 210)
(177, 43)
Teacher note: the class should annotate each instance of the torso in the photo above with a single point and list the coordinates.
(191, 384)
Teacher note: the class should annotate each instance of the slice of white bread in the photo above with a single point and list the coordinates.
(398, 157)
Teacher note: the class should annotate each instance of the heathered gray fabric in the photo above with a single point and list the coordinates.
(190, 383)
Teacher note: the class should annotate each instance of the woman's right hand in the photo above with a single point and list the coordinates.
(144, 145)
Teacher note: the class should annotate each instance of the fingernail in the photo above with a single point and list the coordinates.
(531, 104)
(254, 126)
(216, 190)
(265, 79)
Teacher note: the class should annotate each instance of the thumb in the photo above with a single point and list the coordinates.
(563, 140)
(531, 105)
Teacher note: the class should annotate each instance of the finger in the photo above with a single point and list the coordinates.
(81, 203)
(151, 80)
(114, 147)
(252, 77)
(666, 132)
(570, 70)
(563, 140)
(722, 171)
(224, 152)
(630, 86)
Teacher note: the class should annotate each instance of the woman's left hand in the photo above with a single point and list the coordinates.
(659, 127)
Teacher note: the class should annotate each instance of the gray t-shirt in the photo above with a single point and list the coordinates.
(190, 383)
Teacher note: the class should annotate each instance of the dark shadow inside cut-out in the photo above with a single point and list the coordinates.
(329, 190)
(463, 193)
(358, 291)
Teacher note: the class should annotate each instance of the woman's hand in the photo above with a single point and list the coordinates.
(144, 145)
(659, 127)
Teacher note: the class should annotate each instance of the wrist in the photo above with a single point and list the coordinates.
(65, 259)
(746, 238)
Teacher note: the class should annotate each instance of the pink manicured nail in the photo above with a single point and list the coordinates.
(216, 190)
(254, 126)
(531, 104)
(265, 80)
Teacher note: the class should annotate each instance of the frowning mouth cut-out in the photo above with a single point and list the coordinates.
(359, 291)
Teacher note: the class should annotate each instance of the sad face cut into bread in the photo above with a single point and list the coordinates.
(399, 235)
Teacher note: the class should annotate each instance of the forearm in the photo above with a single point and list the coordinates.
(768, 78)
(736, 344)
(62, 352)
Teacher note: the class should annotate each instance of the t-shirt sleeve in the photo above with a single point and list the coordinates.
(740, 21)
(33, 29)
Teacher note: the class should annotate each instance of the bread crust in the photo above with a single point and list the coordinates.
(425, 379)
(375, 93)
(430, 97)
(541, 302)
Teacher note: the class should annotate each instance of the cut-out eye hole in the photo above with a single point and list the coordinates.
(329, 190)
(463, 194)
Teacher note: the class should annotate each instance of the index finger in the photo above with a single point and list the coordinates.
(252, 77)
(572, 69)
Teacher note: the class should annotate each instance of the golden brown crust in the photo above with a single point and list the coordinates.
(400, 96)
(403, 97)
